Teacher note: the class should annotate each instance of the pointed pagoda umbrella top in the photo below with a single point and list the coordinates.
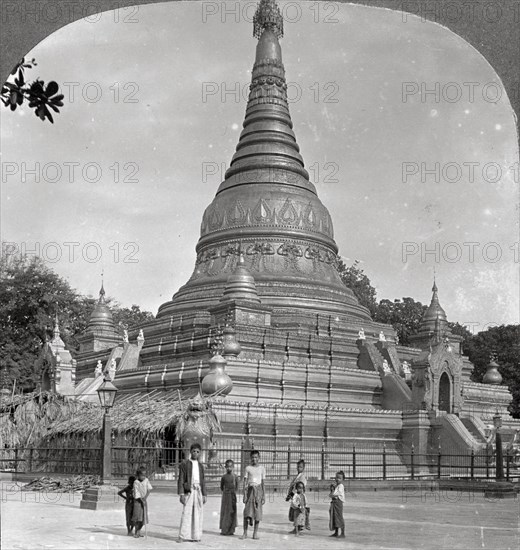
(267, 16)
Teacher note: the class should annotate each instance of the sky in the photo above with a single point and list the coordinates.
(404, 127)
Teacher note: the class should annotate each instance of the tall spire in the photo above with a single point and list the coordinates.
(266, 207)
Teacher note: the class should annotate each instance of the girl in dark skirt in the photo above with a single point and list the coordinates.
(128, 494)
(228, 506)
(337, 498)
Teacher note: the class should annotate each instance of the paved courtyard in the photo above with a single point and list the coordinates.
(390, 519)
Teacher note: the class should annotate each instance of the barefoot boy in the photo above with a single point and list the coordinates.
(253, 494)
(337, 498)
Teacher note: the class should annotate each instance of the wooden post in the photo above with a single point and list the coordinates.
(30, 465)
(412, 465)
(16, 460)
(439, 463)
(354, 462)
(384, 461)
(472, 464)
(508, 464)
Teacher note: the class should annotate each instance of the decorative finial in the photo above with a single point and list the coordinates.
(102, 289)
(434, 288)
(267, 17)
(56, 323)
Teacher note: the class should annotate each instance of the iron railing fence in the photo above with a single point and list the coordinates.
(162, 460)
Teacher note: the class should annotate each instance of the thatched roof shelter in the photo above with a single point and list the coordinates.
(28, 419)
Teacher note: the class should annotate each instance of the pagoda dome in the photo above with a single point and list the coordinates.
(101, 319)
(240, 285)
(434, 317)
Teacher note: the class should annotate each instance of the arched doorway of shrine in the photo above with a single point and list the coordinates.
(445, 393)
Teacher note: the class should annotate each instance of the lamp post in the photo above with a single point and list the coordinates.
(107, 395)
(499, 488)
(104, 496)
(497, 422)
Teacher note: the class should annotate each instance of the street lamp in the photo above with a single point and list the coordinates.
(104, 496)
(107, 395)
(497, 422)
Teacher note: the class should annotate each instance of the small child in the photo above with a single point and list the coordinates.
(128, 494)
(228, 506)
(299, 505)
(337, 496)
(300, 466)
(142, 488)
(254, 497)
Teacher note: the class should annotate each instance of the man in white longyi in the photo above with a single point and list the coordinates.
(192, 493)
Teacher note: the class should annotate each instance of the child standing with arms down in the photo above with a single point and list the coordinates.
(299, 506)
(128, 494)
(142, 488)
(254, 497)
(337, 496)
(228, 506)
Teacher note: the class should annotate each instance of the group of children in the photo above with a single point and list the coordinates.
(192, 494)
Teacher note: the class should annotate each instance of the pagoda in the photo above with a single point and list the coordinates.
(306, 361)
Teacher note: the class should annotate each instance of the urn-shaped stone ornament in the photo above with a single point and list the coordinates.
(230, 346)
(217, 380)
(492, 375)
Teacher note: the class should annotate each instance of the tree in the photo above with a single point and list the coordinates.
(461, 330)
(40, 96)
(354, 278)
(504, 341)
(405, 316)
(30, 296)
(130, 317)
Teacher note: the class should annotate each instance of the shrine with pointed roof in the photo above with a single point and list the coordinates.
(305, 359)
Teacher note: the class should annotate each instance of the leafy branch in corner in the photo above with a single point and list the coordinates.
(40, 96)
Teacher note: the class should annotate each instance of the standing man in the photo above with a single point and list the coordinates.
(192, 494)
